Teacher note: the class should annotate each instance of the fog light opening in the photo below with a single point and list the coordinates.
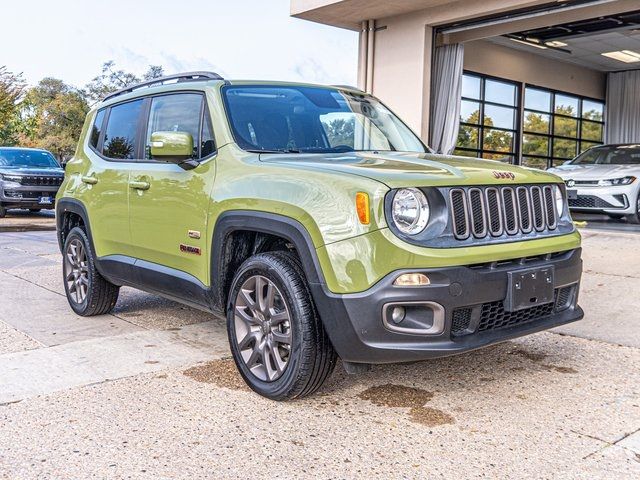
(398, 314)
(412, 280)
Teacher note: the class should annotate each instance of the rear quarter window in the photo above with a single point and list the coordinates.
(96, 129)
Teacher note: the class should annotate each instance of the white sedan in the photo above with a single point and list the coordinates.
(604, 179)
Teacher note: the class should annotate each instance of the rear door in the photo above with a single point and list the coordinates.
(169, 205)
(114, 147)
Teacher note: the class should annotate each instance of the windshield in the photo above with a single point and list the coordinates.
(26, 158)
(313, 120)
(612, 155)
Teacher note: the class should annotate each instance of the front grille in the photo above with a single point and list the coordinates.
(493, 316)
(26, 195)
(484, 211)
(42, 180)
(589, 201)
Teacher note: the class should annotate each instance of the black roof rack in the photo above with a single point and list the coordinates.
(180, 77)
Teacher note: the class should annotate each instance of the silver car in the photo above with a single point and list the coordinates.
(604, 179)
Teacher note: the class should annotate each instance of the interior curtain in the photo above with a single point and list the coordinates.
(446, 92)
(623, 107)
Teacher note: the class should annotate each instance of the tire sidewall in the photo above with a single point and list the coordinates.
(283, 386)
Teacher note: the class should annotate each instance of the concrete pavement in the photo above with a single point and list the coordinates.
(149, 392)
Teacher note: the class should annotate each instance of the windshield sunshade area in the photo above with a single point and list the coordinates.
(293, 119)
(26, 158)
(610, 155)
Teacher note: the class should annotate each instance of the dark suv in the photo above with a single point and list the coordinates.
(29, 178)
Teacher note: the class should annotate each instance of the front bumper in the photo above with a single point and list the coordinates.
(471, 300)
(27, 196)
(619, 200)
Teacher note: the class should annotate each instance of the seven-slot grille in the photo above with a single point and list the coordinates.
(482, 211)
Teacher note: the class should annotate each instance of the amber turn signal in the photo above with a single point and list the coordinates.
(362, 207)
(412, 280)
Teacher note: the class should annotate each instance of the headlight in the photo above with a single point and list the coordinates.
(616, 181)
(410, 211)
(559, 200)
(10, 178)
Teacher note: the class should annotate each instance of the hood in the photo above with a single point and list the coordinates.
(397, 169)
(595, 172)
(32, 171)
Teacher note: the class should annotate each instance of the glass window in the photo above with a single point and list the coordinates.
(176, 113)
(500, 92)
(536, 122)
(564, 148)
(96, 129)
(534, 162)
(566, 105)
(208, 142)
(487, 130)
(19, 157)
(471, 87)
(501, 117)
(535, 145)
(592, 110)
(535, 99)
(292, 119)
(470, 112)
(120, 140)
(592, 131)
(565, 127)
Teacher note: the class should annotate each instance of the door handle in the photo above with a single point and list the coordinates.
(139, 185)
(89, 180)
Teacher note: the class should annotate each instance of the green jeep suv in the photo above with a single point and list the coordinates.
(316, 221)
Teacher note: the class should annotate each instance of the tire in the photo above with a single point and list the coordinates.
(272, 367)
(88, 292)
(635, 218)
(3, 211)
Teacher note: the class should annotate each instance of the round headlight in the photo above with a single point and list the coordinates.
(559, 200)
(410, 211)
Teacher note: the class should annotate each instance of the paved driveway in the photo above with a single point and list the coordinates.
(149, 392)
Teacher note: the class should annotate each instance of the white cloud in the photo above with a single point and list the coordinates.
(70, 39)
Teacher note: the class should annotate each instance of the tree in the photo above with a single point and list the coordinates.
(340, 131)
(12, 88)
(52, 114)
(112, 79)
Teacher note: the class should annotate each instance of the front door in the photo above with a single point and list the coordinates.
(114, 150)
(169, 205)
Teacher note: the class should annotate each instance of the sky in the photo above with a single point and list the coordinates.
(241, 39)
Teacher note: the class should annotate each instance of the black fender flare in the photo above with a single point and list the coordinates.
(65, 205)
(263, 222)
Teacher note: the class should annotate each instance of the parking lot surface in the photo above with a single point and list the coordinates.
(150, 392)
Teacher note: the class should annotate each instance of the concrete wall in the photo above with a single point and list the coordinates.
(509, 63)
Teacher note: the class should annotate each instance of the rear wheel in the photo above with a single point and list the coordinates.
(277, 340)
(88, 292)
(635, 217)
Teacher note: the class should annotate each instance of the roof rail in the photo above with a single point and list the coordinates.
(180, 77)
(349, 87)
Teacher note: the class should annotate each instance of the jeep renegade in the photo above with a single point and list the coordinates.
(316, 221)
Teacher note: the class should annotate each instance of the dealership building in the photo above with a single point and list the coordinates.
(529, 82)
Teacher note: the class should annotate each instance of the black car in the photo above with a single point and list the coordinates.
(29, 178)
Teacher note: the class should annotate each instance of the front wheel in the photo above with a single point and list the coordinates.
(88, 292)
(635, 217)
(277, 340)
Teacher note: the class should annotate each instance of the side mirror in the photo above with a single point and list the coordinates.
(173, 147)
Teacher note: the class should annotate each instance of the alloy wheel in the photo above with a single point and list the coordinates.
(263, 328)
(76, 271)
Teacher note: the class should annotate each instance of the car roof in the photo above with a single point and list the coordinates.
(30, 149)
(143, 90)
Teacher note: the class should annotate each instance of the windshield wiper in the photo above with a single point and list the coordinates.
(284, 150)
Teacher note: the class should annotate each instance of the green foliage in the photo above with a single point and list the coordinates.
(51, 114)
(496, 140)
(12, 89)
(112, 79)
(340, 131)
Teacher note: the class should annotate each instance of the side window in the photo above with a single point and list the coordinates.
(96, 129)
(207, 140)
(179, 112)
(120, 139)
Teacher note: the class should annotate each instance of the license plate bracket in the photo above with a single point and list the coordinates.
(529, 288)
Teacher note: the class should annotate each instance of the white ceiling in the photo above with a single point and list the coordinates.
(586, 49)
